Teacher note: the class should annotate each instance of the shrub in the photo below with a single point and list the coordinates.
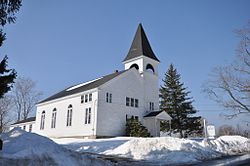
(134, 128)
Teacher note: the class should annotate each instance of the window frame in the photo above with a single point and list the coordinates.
(86, 99)
(127, 101)
(53, 118)
(90, 97)
(42, 123)
(136, 103)
(110, 97)
(132, 102)
(82, 98)
(87, 115)
(69, 116)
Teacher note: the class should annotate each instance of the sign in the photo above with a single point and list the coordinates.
(211, 131)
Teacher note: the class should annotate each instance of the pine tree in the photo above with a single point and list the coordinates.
(8, 9)
(7, 77)
(134, 128)
(175, 101)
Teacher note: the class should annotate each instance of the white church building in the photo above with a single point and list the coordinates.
(100, 108)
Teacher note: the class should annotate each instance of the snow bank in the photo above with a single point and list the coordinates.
(161, 150)
(23, 148)
(230, 145)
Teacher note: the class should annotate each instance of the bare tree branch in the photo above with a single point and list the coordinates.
(230, 85)
(25, 97)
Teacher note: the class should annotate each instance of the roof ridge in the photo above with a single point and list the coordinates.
(83, 88)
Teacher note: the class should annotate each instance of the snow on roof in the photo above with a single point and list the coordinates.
(83, 87)
(82, 84)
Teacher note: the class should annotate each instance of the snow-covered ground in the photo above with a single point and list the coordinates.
(161, 150)
(23, 148)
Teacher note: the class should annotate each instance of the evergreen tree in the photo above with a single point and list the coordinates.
(7, 77)
(175, 101)
(8, 9)
(134, 128)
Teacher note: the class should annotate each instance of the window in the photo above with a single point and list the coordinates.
(53, 120)
(90, 97)
(69, 115)
(136, 118)
(82, 98)
(86, 98)
(108, 97)
(132, 101)
(127, 101)
(149, 67)
(88, 115)
(136, 103)
(24, 127)
(89, 118)
(135, 66)
(42, 120)
(30, 127)
(151, 106)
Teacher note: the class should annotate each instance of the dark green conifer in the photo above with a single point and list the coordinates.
(134, 128)
(175, 101)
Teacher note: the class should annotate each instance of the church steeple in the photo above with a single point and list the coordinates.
(140, 46)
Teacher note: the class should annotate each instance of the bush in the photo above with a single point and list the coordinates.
(134, 128)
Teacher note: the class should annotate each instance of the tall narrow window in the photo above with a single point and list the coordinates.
(110, 98)
(132, 102)
(53, 120)
(24, 127)
(86, 98)
(127, 101)
(82, 98)
(90, 97)
(136, 103)
(107, 97)
(69, 115)
(42, 120)
(88, 115)
(151, 106)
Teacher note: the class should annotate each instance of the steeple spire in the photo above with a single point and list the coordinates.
(140, 46)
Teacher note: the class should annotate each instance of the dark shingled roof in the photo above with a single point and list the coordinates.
(26, 120)
(151, 114)
(83, 88)
(140, 46)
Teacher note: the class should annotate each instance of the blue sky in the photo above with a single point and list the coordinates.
(59, 44)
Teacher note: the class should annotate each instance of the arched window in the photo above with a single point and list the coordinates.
(42, 120)
(69, 115)
(53, 120)
(149, 67)
(135, 66)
